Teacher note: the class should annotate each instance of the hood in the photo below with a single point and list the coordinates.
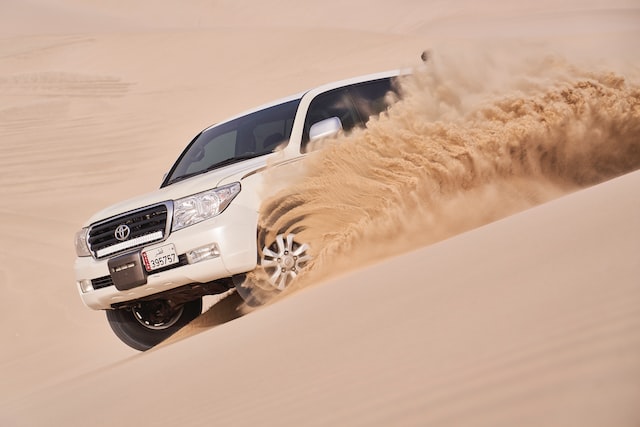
(206, 181)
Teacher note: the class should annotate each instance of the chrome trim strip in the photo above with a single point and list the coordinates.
(120, 247)
(129, 244)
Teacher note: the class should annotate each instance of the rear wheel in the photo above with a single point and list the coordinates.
(148, 323)
(280, 262)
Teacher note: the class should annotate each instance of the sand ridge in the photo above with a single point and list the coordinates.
(528, 320)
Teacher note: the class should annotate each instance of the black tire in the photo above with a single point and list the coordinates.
(149, 323)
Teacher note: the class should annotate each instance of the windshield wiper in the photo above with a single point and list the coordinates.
(232, 160)
(225, 162)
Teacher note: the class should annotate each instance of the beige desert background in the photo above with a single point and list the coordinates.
(480, 242)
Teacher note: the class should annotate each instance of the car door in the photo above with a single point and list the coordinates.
(353, 105)
(334, 103)
(372, 98)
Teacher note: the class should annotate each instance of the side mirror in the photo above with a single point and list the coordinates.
(324, 128)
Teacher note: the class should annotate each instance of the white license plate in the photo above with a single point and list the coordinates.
(159, 257)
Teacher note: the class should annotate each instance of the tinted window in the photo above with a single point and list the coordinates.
(335, 103)
(353, 105)
(253, 135)
(370, 98)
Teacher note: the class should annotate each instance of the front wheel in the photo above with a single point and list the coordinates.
(280, 262)
(148, 323)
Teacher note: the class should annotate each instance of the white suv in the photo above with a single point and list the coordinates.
(149, 261)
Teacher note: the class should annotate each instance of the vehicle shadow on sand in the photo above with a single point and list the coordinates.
(229, 307)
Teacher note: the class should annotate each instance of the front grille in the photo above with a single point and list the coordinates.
(106, 281)
(143, 226)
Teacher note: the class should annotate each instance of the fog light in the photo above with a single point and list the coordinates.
(85, 285)
(203, 253)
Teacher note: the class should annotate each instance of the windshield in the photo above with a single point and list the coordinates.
(249, 136)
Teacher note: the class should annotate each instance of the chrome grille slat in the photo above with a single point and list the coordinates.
(149, 221)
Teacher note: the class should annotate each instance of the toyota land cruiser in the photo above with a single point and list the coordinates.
(149, 261)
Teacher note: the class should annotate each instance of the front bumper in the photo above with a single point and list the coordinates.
(234, 233)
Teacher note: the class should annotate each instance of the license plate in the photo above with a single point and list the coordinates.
(156, 258)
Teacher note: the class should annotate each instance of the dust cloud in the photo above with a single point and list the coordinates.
(469, 143)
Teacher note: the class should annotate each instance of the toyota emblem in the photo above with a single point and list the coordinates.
(122, 232)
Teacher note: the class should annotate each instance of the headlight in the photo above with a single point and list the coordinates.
(194, 209)
(82, 248)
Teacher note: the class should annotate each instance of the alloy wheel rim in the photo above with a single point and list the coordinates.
(283, 260)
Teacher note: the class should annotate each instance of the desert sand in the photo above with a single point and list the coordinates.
(498, 283)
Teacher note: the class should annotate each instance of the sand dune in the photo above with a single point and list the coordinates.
(518, 322)
(522, 309)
